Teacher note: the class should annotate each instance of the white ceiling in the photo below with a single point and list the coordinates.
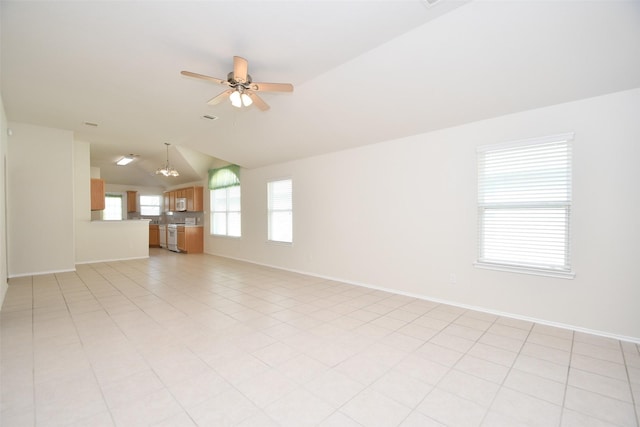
(363, 71)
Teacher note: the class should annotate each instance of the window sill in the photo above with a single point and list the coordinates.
(278, 243)
(526, 270)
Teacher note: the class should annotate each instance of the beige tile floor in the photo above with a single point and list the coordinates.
(184, 340)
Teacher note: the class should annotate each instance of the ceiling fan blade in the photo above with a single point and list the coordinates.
(221, 97)
(272, 87)
(240, 68)
(257, 101)
(203, 77)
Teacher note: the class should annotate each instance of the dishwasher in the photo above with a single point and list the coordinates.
(172, 237)
(163, 236)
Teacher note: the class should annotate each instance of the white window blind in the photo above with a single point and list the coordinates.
(112, 207)
(280, 206)
(150, 205)
(524, 205)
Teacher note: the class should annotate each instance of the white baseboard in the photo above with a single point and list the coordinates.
(112, 260)
(40, 273)
(635, 340)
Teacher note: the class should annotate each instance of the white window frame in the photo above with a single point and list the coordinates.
(273, 235)
(226, 211)
(155, 206)
(513, 198)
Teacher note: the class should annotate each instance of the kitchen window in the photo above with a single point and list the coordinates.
(112, 207)
(150, 205)
(280, 211)
(524, 206)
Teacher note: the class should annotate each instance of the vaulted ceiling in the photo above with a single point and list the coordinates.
(363, 71)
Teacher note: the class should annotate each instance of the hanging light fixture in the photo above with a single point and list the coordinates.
(167, 170)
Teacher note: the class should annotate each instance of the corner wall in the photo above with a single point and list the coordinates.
(40, 212)
(401, 215)
(3, 207)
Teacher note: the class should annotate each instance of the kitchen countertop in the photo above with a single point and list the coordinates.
(120, 220)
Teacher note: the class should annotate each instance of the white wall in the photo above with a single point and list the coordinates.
(401, 215)
(3, 222)
(40, 200)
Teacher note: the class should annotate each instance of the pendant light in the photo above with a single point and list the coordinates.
(166, 169)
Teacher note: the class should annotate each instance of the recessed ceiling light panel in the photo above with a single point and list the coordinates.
(125, 160)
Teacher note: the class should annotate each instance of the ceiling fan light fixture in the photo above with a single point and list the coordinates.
(235, 99)
(243, 90)
(246, 99)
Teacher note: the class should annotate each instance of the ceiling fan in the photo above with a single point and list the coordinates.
(242, 90)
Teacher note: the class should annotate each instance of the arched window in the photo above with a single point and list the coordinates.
(224, 187)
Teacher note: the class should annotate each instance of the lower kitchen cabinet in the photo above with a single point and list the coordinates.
(154, 236)
(191, 239)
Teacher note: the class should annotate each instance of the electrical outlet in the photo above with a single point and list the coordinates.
(453, 279)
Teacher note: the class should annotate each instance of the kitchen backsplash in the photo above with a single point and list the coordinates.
(165, 218)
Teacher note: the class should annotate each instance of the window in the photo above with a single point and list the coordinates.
(112, 207)
(280, 206)
(150, 205)
(225, 211)
(224, 186)
(524, 206)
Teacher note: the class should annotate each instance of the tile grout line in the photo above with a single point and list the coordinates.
(127, 337)
(75, 327)
(33, 351)
(518, 353)
(566, 384)
(449, 368)
(626, 368)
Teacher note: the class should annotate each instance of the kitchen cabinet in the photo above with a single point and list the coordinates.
(198, 204)
(172, 201)
(97, 194)
(181, 239)
(188, 194)
(132, 201)
(191, 239)
(154, 236)
(193, 195)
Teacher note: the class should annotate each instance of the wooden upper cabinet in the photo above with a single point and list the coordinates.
(188, 194)
(132, 201)
(193, 195)
(198, 203)
(172, 201)
(97, 194)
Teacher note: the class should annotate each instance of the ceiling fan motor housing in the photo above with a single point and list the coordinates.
(233, 82)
